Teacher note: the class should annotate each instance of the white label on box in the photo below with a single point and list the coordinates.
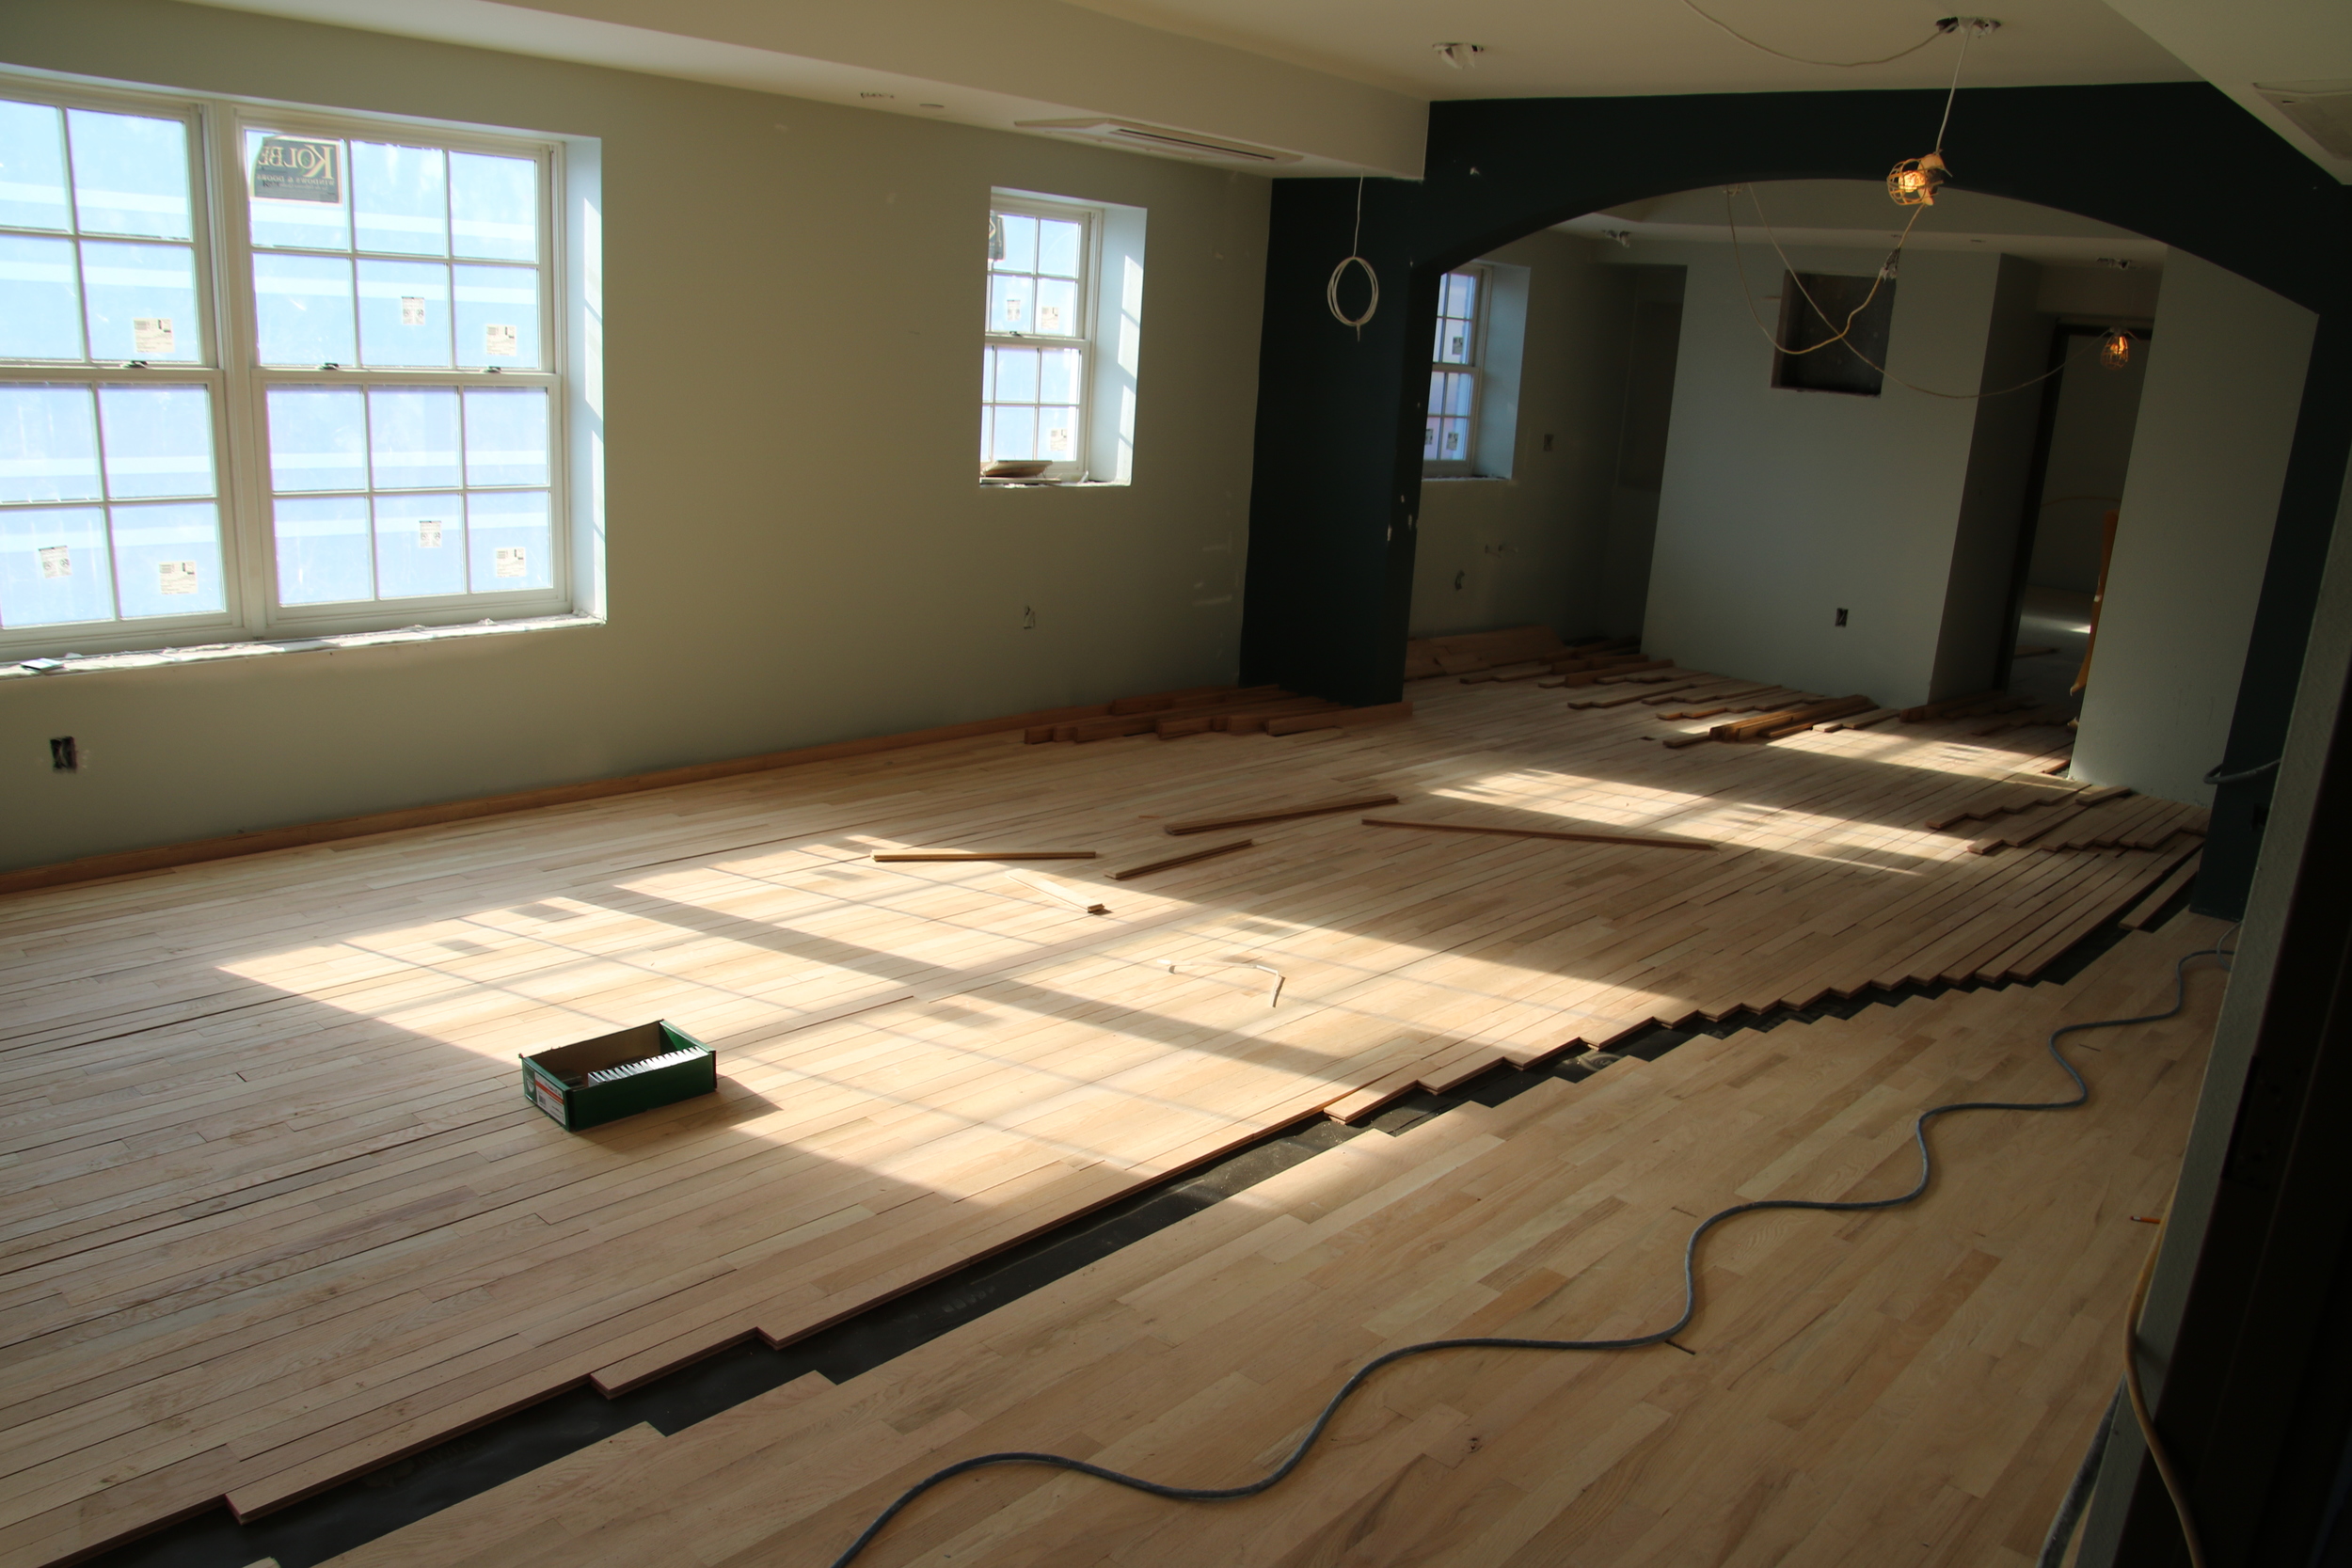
(411, 311)
(56, 561)
(544, 1097)
(175, 577)
(151, 334)
(501, 342)
(510, 562)
(1049, 318)
(428, 534)
(1057, 440)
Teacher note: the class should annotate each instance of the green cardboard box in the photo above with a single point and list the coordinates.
(592, 1082)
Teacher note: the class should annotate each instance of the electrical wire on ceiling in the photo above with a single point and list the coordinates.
(1690, 1301)
(1947, 26)
(1331, 289)
(1886, 271)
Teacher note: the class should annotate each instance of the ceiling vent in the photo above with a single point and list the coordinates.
(2322, 110)
(1159, 138)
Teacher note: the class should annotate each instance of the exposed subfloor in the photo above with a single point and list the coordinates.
(280, 1215)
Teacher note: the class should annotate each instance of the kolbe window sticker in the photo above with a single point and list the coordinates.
(298, 169)
(510, 562)
(500, 342)
(175, 577)
(411, 311)
(428, 534)
(57, 561)
(151, 334)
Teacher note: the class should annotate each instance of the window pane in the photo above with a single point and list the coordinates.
(1429, 441)
(130, 174)
(1058, 434)
(1056, 307)
(141, 301)
(506, 437)
(1058, 246)
(494, 207)
(1009, 300)
(167, 559)
(32, 167)
(398, 200)
(1457, 394)
(1461, 295)
(323, 553)
(497, 317)
(509, 541)
(988, 433)
(1016, 432)
(318, 439)
(420, 546)
(48, 446)
(311, 224)
(1020, 243)
(1057, 375)
(40, 306)
(403, 314)
(1453, 446)
(52, 568)
(302, 309)
(159, 442)
(413, 437)
(1016, 374)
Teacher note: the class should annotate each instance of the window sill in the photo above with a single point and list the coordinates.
(1055, 484)
(212, 653)
(1465, 478)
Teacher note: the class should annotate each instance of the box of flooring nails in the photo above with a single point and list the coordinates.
(590, 1083)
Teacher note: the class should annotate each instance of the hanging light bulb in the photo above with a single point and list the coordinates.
(1915, 182)
(2117, 351)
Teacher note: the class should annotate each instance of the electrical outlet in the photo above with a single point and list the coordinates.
(1549, 439)
(1841, 617)
(1028, 619)
(64, 756)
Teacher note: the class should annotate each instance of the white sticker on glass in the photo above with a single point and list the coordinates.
(411, 311)
(510, 562)
(150, 334)
(501, 342)
(1049, 318)
(428, 534)
(175, 577)
(1012, 309)
(1057, 440)
(56, 561)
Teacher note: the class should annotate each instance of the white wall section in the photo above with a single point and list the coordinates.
(2209, 456)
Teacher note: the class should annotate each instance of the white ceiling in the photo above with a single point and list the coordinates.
(1346, 84)
(1546, 48)
(1856, 213)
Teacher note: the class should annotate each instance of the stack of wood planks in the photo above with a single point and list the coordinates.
(278, 1212)
(1910, 1386)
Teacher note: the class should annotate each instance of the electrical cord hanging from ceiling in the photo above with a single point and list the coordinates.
(1886, 271)
(1690, 1297)
(1331, 289)
(1941, 29)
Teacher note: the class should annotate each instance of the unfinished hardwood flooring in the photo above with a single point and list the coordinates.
(1905, 1387)
(278, 1212)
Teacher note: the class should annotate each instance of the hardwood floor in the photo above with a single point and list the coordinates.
(278, 1213)
(1905, 1387)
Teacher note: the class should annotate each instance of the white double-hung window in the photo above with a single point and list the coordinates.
(1449, 436)
(1061, 329)
(267, 372)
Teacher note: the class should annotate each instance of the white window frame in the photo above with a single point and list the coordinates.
(1077, 466)
(239, 384)
(1475, 367)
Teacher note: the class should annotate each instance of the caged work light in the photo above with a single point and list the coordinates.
(1915, 182)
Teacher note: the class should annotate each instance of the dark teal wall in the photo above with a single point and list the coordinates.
(1337, 485)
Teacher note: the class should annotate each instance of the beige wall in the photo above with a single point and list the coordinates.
(797, 550)
(2209, 459)
(1781, 507)
(1501, 552)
